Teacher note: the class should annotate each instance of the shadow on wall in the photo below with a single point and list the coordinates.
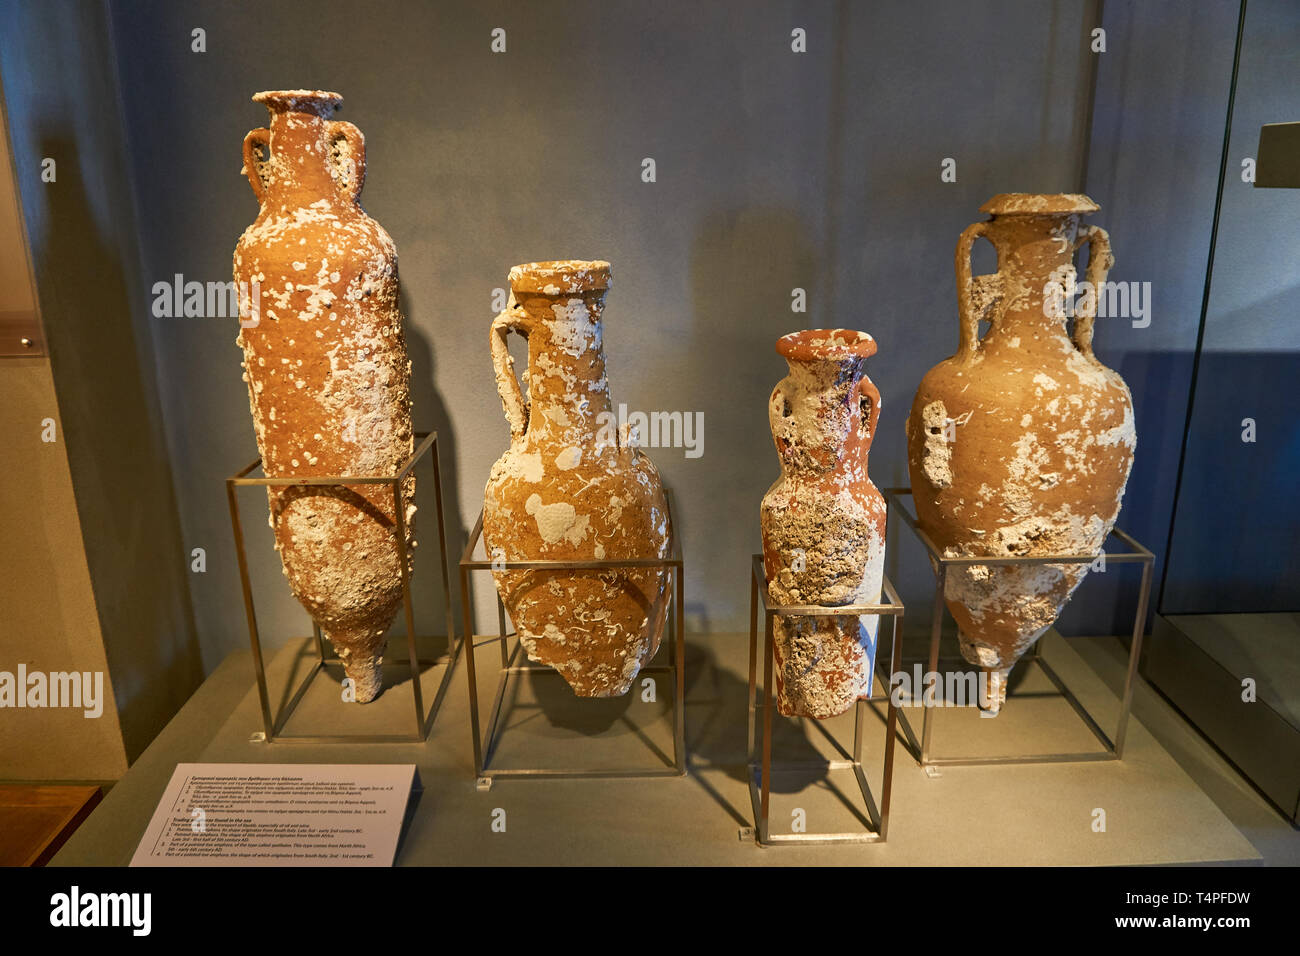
(1105, 602)
(121, 473)
(429, 413)
(1237, 523)
(744, 264)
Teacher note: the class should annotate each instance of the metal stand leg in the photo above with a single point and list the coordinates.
(1134, 659)
(674, 648)
(936, 631)
(399, 530)
(765, 800)
(1136, 553)
(679, 669)
(273, 724)
(467, 611)
(760, 763)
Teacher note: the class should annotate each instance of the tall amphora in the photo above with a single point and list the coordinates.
(1022, 442)
(327, 371)
(823, 521)
(573, 486)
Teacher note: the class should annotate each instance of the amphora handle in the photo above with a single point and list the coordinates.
(512, 397)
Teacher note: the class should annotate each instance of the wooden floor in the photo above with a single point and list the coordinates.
(36, 820)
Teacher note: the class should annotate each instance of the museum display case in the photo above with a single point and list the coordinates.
(1021, 574)
(1225, 645)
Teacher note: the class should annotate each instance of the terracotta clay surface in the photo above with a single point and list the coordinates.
(327, 371)
(823, 521)
(572, 487)
(1022, 442)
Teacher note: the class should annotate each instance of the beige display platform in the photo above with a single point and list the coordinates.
(1041, 814)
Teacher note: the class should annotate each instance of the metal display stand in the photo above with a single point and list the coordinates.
(1111, 749)
(761, 767)
(273, 724)
(484, 747)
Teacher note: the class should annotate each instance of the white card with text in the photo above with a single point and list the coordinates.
(251, 814)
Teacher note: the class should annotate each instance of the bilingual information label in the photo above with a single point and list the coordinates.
(254, 814)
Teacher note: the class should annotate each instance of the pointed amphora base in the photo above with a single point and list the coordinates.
(994, 694)
(365, 669)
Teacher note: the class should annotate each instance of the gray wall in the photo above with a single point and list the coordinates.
(775, 170)
(47, 604)
(1238, 522)
(59, 81)
(1157, 136)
